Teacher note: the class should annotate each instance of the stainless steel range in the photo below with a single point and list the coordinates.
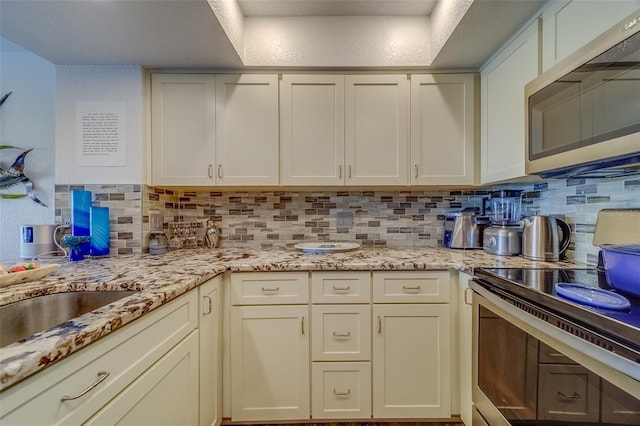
(542, 356)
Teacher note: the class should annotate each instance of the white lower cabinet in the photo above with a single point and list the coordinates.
(269, 346)
(140, 370)
(377, 345)
(411, 361)
(162, 369)
(210, 354)
(269, 363)
(166, 394)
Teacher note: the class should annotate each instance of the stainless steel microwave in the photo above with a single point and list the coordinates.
(583, 114)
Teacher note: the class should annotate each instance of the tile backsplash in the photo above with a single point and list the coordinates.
(381, 218)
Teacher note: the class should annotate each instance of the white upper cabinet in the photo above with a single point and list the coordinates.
(569, 25)
(376, 129)
(312, 129)
(502, 146)
(442, 129)
(214, 129)
(247, 129)
(182, 129)
(338, 130)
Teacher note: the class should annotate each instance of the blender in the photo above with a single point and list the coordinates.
(504, 236)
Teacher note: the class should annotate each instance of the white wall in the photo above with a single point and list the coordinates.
(27, 120)
(103, 83)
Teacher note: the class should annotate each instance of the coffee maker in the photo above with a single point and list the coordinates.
(504, 236)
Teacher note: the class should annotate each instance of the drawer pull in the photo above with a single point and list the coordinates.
(379, 325)
(346, 289)
(303, 326)
(206, 305)
(468, 296)
(343, 394)
(411, 289)
(102, 375)
(342, 335)
(565, 396)
(270, 290)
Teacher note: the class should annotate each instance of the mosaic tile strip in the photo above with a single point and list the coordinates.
(411, 218)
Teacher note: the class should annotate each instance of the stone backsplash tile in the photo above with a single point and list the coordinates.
(404, 218)
(284, 218)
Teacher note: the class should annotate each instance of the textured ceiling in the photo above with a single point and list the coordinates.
(192, 34)
(337, 7)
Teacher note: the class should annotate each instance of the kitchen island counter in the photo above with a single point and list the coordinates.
(161, 278)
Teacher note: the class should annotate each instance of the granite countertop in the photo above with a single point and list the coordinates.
(159, 279)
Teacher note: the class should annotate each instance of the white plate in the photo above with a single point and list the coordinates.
(28, 275)
(326, 247)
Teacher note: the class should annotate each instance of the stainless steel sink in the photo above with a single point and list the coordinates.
(26, 317)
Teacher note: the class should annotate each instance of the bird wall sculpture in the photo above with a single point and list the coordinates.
(14, 175)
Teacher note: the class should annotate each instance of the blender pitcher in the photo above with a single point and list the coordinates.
(505, 207)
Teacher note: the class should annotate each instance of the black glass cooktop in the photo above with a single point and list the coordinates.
(539, 286)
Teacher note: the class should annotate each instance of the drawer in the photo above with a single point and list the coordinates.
(618, 407)
(568, 392)
(341, 390)
(548, 355)
(124, 355)
(411, 287)
(341, 287)
(341, 332)
(269, 288)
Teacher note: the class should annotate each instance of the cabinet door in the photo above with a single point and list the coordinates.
(465, 350)
(166, 394)
(564, 30)
(182, 129)
(376, 129)
(503, 107)
(312, 129)
(269, 363)
(411, 361)
(442, 129)
(247, 129)
(210, 354)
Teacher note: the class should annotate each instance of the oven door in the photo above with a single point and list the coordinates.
(527, 372)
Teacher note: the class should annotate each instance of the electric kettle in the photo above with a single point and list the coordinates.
(541, 238)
